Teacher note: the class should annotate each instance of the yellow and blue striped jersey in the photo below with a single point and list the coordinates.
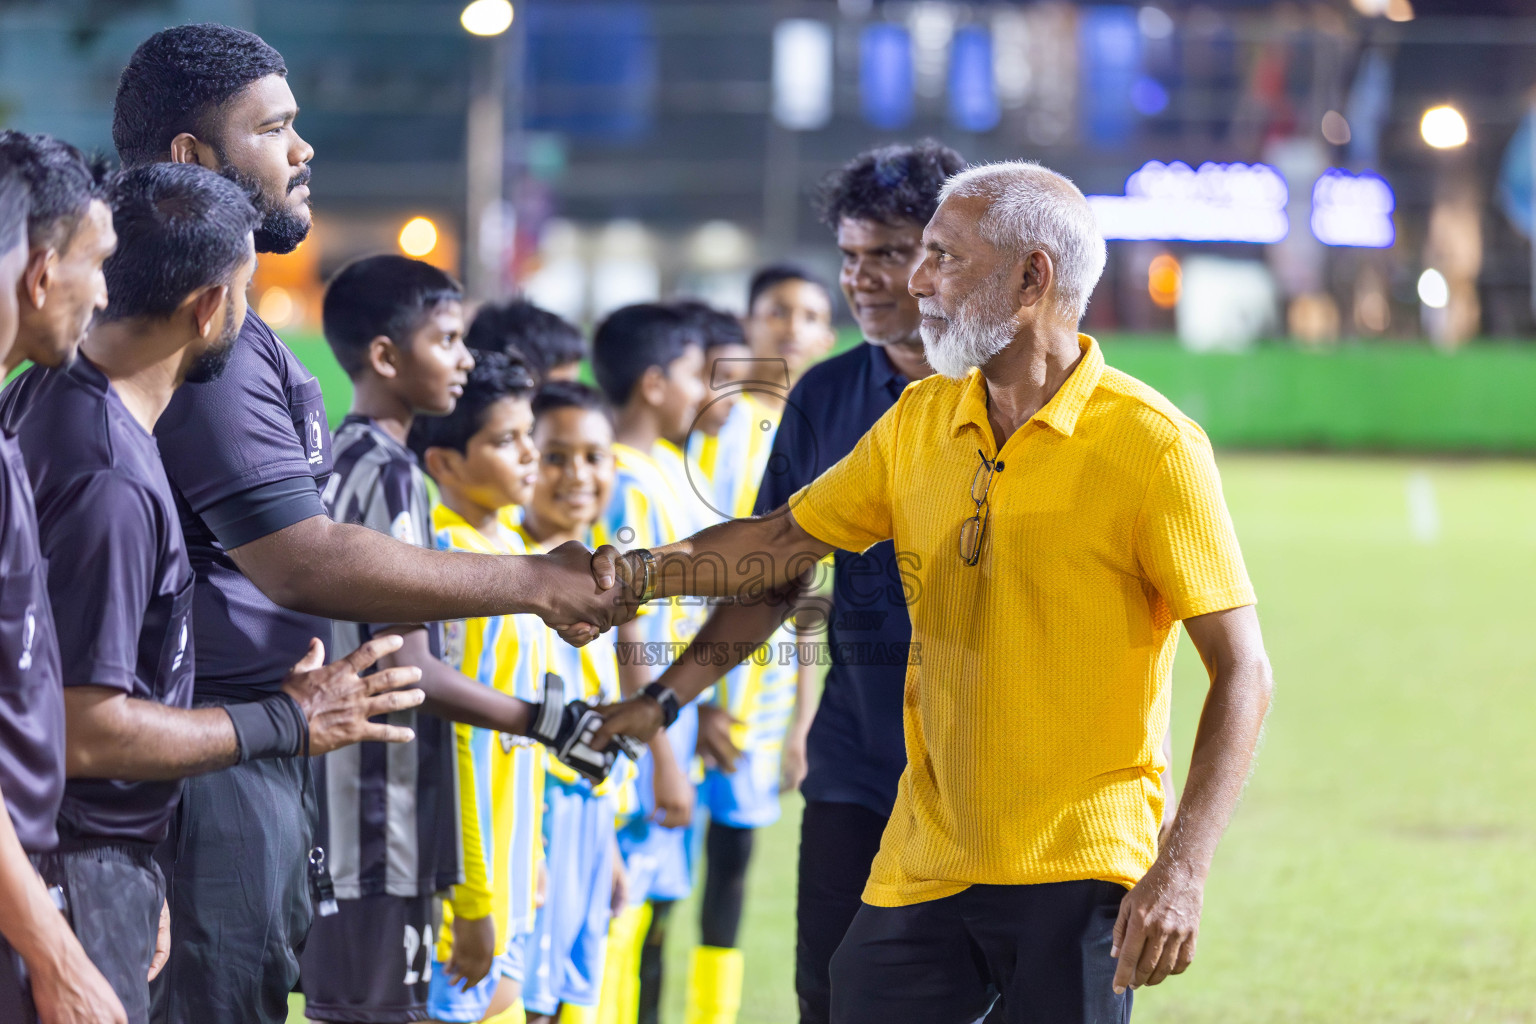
(761, 692)
(501, 777)
(652, 505)
(591, 673)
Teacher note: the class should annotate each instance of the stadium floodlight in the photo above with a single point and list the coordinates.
(1444, 127)
(418, 237)
(487, 17)
(1350, 209)
(1434, 292)
(802, 74)
(1216, 203)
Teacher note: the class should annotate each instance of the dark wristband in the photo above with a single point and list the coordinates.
(666, 700)
(272, 727)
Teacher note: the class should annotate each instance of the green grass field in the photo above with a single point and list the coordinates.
(1379, 867)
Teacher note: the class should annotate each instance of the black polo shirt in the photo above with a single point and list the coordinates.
(247, 455)
(856, 750)
(118, 575)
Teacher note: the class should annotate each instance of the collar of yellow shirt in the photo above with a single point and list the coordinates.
(1060, 413)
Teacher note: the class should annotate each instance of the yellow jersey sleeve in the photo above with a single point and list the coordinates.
(1184, 538)
(849, 506)
(471, 898)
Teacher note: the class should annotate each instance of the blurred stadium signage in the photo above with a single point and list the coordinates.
(1353, 209)
(1214, 203)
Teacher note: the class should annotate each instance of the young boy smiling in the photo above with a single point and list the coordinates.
(483, 459)
(573, 431)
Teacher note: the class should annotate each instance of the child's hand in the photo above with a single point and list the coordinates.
(673, 792)
(715, 744)
(474, 948)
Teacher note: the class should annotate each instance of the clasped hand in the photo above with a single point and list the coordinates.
(586, 592)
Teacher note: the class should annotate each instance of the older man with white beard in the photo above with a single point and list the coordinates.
(1056, 521)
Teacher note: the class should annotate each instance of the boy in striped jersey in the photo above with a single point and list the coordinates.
(648, 360)
(483, 459)
(573, 431)
(389, 817)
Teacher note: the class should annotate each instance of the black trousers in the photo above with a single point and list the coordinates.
(235, 867)
(1040, 951)
(838, 842)
(113, 895)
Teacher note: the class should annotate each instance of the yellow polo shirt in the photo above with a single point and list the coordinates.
(1037, 697)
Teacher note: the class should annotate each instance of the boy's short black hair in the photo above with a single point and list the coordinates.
(60, 183)
(180, 227)
(384, 295)
(776, 274)
(13, 206)
(634, 339)
(893, 185)
(179, 76)
(715, 326)
(570, 394)
(544, 339)
(496, 375)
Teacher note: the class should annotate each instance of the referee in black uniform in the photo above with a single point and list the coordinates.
(247, 456)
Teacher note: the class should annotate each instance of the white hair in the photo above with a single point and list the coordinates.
(1031, 207)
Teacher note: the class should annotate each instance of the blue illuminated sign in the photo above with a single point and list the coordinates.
(1214, 203)
(1353, 209)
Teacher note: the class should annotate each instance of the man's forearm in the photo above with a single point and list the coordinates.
(28, 919)
(1225, 742)
(345, 571)
(730, 634)
(747, 559)
(110, 735)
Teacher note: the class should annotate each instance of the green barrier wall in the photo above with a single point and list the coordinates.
(1374, 398)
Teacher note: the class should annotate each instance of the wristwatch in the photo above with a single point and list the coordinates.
(664, 697)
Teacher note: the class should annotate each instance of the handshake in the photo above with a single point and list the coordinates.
(581, 594)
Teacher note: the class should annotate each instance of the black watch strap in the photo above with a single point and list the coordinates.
(666, 698)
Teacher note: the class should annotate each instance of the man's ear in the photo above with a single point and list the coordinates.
(38, 276)
(383, 357)
(206, 306)
(186, 148)
(1038, 273)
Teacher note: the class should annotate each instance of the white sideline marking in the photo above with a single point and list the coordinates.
(1423, 509)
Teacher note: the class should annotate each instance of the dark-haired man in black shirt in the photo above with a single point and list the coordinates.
(248, 455)
(119, 579)
(44, 973)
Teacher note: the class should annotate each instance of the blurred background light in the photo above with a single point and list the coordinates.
(1349, 209)
(1164, 280)
(1110, 44)
(973, 103)
(1148, 96)
(1154, 22)
(1217, 203)
(1011, 67)
(418, 237)
(487, 17)
(1399, 10)
(1335, 128)
(802, 74)
(885, 75)
(1443, 127)
(276, 306)
(1434, 292)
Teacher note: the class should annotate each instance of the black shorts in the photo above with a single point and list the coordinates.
(1029, 954)
(112, 894)
(371, 963)
(15, 993)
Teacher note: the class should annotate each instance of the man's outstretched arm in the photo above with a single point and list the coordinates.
(111, 735)
(345, 571)
(732, 630)
(1160, 918)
